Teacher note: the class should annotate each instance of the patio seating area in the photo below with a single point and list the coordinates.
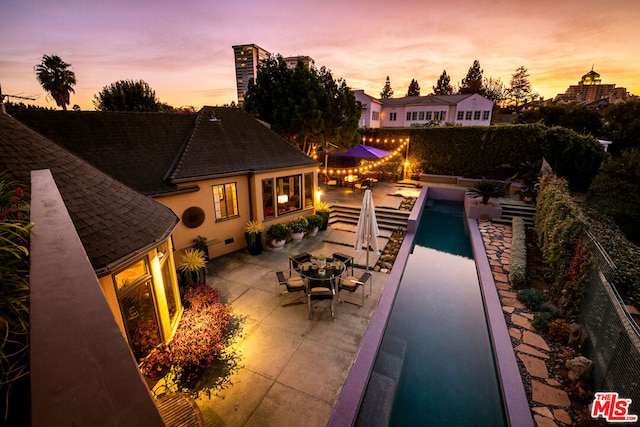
(275, 384)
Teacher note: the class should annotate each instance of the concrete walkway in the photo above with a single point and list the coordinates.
(291, 368)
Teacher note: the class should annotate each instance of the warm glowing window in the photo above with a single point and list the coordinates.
(131, 274)
(225, 201)
(267, 198)
(288, 193)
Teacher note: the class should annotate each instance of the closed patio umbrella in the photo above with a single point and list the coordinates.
(367, 227)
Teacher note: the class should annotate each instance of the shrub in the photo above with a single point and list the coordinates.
(298, 225)
(278, 231)
(315, 221)
(518, 273)
(532, 298)
(541, 321)
(559, 330)
(487, 188)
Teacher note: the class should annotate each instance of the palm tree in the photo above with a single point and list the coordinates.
(487, 188)
(55, 77)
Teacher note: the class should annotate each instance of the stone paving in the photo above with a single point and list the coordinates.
(549, 402)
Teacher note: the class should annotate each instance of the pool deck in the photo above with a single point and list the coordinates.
(291, 369)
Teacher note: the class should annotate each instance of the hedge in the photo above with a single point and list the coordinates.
(518, 273)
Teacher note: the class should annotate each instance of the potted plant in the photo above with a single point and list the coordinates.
(278, 234)
(298, 226)
(254, 235)
(487, 188)
(200, 242)
(315, 222)
(193, 267)
(323, 209)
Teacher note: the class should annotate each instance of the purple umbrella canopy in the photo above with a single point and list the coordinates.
(362, 152)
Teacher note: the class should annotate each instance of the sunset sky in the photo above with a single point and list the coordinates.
(183, 49)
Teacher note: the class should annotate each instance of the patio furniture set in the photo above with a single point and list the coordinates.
(319, 278)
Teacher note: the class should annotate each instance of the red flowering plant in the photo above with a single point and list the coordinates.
(157, 363)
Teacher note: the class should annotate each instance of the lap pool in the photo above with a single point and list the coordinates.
(430, 360)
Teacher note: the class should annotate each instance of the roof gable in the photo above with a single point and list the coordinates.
(112, 220)
(228, 141)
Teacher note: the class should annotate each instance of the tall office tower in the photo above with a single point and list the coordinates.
(247, 58)
(292, 61)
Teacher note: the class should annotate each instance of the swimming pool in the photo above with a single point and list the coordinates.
(436, 338)
(515, 404)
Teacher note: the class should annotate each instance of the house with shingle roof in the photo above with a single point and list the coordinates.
(216, 169)
(102, 276)
(464, 110)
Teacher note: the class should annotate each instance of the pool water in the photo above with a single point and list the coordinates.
(447, 375)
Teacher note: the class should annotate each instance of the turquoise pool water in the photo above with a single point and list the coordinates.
(437, 335)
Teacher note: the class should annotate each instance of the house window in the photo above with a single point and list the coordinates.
(138, 307)
(439, 115)
(414, 115)
(427, 115)
(476, 115)
(467, 115)
(268, 198)
(393, 117)
(308, 190)
(485, 115)
(421, 115)
(169, 281)
(225, 201)
(408, 115)
(460, 115)
(375, 116)
(288, 191)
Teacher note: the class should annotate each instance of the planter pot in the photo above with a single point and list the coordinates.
(254, 243)
(325, 223)
(277, 244)
(296, 237)
(313, 232)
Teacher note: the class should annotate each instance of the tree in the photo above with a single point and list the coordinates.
(414, 88)
(54, 76)
(472, 83)
(573, 116)
(443, 86)
(622, 125)
(520, 89)
(304, 105)
(128, 95)
(494, 90)
(387, 92)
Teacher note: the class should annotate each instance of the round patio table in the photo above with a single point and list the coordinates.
(317, 274)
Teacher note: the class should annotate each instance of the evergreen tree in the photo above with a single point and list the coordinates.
(387, 92)
(520, 89)
(494, 90)
(128, 95)
(306, 106)
(472, 83)
(443, 87)
(414, 88)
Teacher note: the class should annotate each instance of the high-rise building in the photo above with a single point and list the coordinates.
(247, 58)
(292, 61)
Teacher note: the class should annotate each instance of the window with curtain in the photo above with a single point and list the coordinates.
(225, 201)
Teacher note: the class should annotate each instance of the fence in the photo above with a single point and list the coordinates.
(613, 336)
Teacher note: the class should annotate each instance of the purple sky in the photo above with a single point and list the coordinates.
(183, 48)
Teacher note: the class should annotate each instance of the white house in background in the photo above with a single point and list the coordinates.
(465, 110)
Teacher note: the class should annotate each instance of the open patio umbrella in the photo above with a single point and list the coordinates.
(362, 152)
(367, 227)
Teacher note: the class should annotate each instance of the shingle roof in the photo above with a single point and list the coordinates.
(228, 141)
(151, 151)
(135, 148)
(425, 100)
(112, 220)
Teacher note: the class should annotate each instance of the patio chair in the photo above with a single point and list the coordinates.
(352, 283)
(320, 292)
(296, 260)
(347, 260)
(291, 285)
(329, 181)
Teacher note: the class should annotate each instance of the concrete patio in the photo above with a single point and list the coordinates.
(292, 369)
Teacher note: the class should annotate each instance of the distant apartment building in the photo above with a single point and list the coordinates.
(247, 57)
(465, 110)
(292, 61)
(590, 90)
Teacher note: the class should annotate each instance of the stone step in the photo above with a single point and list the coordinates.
(388, 219)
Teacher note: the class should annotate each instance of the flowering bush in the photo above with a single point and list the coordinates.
(157, 363)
